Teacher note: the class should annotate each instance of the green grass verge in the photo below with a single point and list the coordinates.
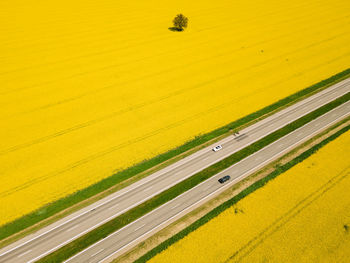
(136, 212)
(218, 210)
(55, 207)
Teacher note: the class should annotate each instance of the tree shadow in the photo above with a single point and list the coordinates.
(175, 29)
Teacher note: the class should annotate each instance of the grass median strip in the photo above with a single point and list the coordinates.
(135, 213)
(54, 208)
(215, 212)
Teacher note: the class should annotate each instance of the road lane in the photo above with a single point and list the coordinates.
(56, 235)
(162, 216)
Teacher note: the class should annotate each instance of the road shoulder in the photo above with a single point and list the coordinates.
(186, 221)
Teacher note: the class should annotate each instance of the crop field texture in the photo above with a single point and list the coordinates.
(301, 216)
(88, 88)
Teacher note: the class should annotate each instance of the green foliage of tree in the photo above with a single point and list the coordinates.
(180, 22)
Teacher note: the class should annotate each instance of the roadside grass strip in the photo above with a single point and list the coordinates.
(226, 205)
(53, 208)
(103, 231)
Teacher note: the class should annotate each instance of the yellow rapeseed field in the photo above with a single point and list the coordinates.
(301, 216)
(91, 87)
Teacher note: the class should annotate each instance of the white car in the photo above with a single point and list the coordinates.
(217, 148)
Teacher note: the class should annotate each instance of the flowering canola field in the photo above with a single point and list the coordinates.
(91, 87)
(301, 216)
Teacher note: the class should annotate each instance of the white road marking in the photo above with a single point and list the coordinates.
(175, 206)
(226, 186)
(205, 189)
(113, 206)
(139, 227)
(310, 99)
(40, 256)
(24, 253)
(97, 252)
(69, 229)
(149, 197)
(148, 188)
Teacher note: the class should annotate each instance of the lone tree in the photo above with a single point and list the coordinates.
(180, 22)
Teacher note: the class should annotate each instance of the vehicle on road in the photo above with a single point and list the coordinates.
(217, 148)
(224, 179)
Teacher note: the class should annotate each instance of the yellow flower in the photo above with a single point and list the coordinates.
(88, 88)
(301, 216)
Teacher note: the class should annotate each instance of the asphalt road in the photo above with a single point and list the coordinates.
(50, 238)
(160, 217)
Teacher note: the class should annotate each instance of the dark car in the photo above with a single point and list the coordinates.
(224, 179)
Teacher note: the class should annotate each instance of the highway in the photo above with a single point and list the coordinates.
(50, 238)
(104, 250)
